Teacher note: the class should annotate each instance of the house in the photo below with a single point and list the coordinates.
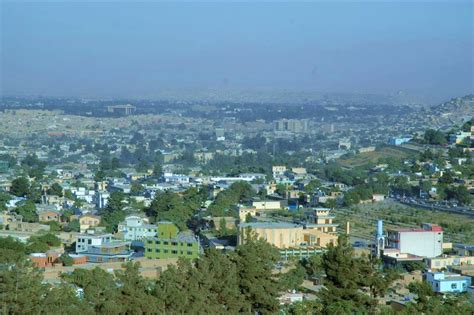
(245, 211)
(449, 261)
(49, 216)
(447, 282)
(267, 205)
(19, 226)
(459, 137)
(278, 170)
(136, 228)
(398, 140)
(50, 258)
(88, 221)
(378, 197)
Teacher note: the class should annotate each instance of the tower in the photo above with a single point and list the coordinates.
(379, 239)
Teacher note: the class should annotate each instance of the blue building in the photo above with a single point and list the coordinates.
(115, 251)
(398, 141)
(446, 282)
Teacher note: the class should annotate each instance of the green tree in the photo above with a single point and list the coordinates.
(56, 189)
(137, 189)
(73, 226)
(27, 209)
(66, 260)
(20, 187)
(348, 278)
(135, 294)
(171, 207)
(436, 137)
(258, 286)
(293, 279)
(312, 185)
(4, 199)
(21, 289)
(114, 212)
(11, 250)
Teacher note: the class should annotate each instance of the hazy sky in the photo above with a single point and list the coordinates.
(107, 49)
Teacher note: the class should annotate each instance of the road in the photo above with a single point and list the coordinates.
(431, 206)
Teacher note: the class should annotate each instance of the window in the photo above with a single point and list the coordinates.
(454, 285)
(157, 242)
(174, 252)
(165, 243)
(150, 242)
(189, 253)
(157, 250)
(165, 251)
(148, 250)
(174, 243)
(89, 241)
(190, 244)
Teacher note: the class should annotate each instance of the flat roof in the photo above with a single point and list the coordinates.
(270, 225)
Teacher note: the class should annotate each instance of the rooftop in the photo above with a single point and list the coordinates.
(269, 225)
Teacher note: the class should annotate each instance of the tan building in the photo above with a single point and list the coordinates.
(267, 205)
(49, 216)
(230, 222)
(449, 261)
(320, 228)
(278, 170)
(243, 212)
(319, 232)
(299, 170)
(279, 234)
(88, 221)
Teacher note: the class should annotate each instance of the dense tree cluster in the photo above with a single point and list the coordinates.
(174, 207)
(240, 282)
(432, 136)
(235, 194)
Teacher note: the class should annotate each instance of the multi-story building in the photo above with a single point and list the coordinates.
(319, 231)
(449, 261)
(114, 251)
(136, 228)
(291, 125)
(425, 242)
(84, 241)
(170, 243)
(279, 234)
(446, 282)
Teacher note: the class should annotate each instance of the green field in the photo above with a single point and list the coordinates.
(374, 156)
(458, 228)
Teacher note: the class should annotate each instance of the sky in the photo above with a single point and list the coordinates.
(139, 49)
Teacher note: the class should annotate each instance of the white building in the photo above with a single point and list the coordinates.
(84, 241)
(176, 178)
(424, 242)
(136, 228)
(101, 199)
